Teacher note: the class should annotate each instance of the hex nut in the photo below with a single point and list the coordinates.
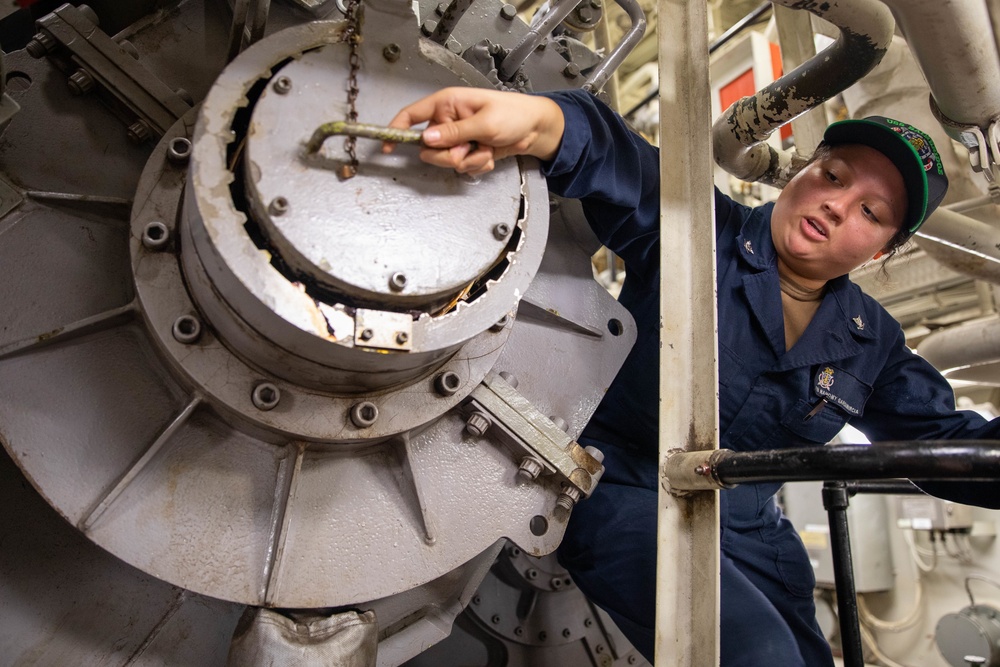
(179, 150)
(364, 414)
(568, 498)
(529, 469)
(402, 338)
(441, 8)
(265, 396)
(80, 82)
(156, 235)
(508, 12)
(186, 329)
(447, 383)
(139, 132)
(41, 44)
(427, 27)
(478, 423)
(366, 334)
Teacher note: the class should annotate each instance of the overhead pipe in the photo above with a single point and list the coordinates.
(968, 351)
(953, 42)
(966, 245)
(740, 133)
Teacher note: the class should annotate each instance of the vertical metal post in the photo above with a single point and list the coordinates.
(687, 582)
(835, 501)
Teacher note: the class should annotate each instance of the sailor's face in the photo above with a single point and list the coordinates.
(838, 212)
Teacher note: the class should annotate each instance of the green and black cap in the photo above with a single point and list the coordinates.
(913, 153)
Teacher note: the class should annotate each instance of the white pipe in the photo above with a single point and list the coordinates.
(739, 134)
(954, 44)
(969, 351)
(963, 244)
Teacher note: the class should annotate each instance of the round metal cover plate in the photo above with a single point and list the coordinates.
(397, 216)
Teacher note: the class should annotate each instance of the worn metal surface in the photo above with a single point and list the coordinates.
(167, 451)
(532, 609)
(67, 601)
(94, 55)
(738, 135)
(687, 575)
(398, 214)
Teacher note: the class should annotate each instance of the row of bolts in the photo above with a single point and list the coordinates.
(266, 395)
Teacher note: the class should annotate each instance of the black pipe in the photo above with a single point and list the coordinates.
(918, 460)
(889, 486)
(836, 500)
(722, 40)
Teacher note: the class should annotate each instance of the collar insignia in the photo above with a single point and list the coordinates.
(748, 246)
(858, 323)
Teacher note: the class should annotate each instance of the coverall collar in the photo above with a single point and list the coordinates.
(840, 323)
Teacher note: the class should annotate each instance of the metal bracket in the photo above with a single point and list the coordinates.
(983, 147)
(79, 48)
(527, 432)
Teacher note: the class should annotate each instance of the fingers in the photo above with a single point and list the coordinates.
(464, 158)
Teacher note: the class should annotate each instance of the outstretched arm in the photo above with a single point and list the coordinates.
(471, 128)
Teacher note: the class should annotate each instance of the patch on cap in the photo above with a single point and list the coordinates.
(921, 143)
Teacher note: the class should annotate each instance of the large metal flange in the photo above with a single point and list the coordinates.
(197, 353)
(284, 249)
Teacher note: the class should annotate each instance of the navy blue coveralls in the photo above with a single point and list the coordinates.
(853, 355)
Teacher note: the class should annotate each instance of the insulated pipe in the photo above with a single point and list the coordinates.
(967, 351)
(953, 42)
(740, 133)
(963, 244)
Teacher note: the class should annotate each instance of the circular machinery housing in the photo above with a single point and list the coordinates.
(318, 390)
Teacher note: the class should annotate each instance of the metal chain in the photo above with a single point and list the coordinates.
(352, 35)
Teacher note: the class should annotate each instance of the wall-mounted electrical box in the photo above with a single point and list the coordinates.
(928, 513)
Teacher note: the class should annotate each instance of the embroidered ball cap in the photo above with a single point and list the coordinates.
(913, 153)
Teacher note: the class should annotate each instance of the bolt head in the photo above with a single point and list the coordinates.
(501, 231)
(441, 8)
(427, 27)
(366, 334)
(402, 338)
(571, 71)
(508, 12)
(278, 206)
(391, 52)
(155, 235)
(265, 396)
(397, 282)
(478, 423)
(282, 85)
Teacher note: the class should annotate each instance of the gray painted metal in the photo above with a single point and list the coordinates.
(163, 448)
(531, 607)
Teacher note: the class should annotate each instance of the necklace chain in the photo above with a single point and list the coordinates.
(352, 36)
